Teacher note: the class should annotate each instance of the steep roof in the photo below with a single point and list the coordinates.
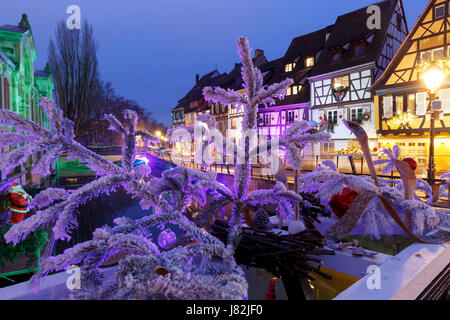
(352, 27)
(301, 47)
(407, 49)
(233, 80)
(196, 92)
(41, 74)
(8, 27)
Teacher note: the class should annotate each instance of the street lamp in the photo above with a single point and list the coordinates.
(158, 133)
(433, 77)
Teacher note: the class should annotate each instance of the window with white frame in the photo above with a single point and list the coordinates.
(432, 55)
(356, 114)
(332, 116)
(439, 12)
(290, 116)
(327, 147)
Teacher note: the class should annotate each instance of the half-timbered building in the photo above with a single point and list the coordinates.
(401, 96)
(297, 63)
(353, 58)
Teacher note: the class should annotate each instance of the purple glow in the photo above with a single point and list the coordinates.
(166, 239)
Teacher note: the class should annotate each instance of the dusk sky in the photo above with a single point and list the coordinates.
(151, 50)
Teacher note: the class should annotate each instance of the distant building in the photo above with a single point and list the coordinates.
(333, 70)
(22, 87)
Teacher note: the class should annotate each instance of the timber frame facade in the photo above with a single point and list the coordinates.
(354, 58)
(401, 92)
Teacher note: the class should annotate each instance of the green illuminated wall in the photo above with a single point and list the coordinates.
(24, 89)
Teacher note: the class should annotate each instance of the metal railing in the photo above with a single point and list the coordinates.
(349, 164)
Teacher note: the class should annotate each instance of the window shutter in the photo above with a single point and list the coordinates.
(421, 103)
(32, 109)
(444, 96)
(388, 107)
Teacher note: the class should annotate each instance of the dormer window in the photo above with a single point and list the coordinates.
(439, 12)
(289, 67)
(309, 62)
(336, 54)
(359, 48)
(293, 90)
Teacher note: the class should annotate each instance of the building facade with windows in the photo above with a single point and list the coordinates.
(297, 64)
(21, 87)
(401, 98)
(353, 58)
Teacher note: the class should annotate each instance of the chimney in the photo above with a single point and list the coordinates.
(258, 52)
(197, 78)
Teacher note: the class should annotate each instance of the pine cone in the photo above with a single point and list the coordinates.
(261, 219)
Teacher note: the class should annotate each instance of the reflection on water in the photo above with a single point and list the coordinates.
(102, 211)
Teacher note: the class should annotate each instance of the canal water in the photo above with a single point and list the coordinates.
(104, 209)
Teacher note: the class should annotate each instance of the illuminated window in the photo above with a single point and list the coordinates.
(289, 67)
(412, 104)
(295, 90)
(439, 12)
(340, 82)
(233, 123)
(309, 62)
(399, 104)
(327, 147)
(289, 91)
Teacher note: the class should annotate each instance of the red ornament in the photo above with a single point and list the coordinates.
(412, 163)
(340, 116)
(341, 202)
(375, 149)
(296, 117)
(321, 118)
(270, 295)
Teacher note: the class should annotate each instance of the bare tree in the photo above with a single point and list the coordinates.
(73, 61)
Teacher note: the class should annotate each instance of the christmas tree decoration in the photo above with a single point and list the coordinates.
(411, 162)
(261, 219)
(19, 201)
(340, 203)
(166, 239)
